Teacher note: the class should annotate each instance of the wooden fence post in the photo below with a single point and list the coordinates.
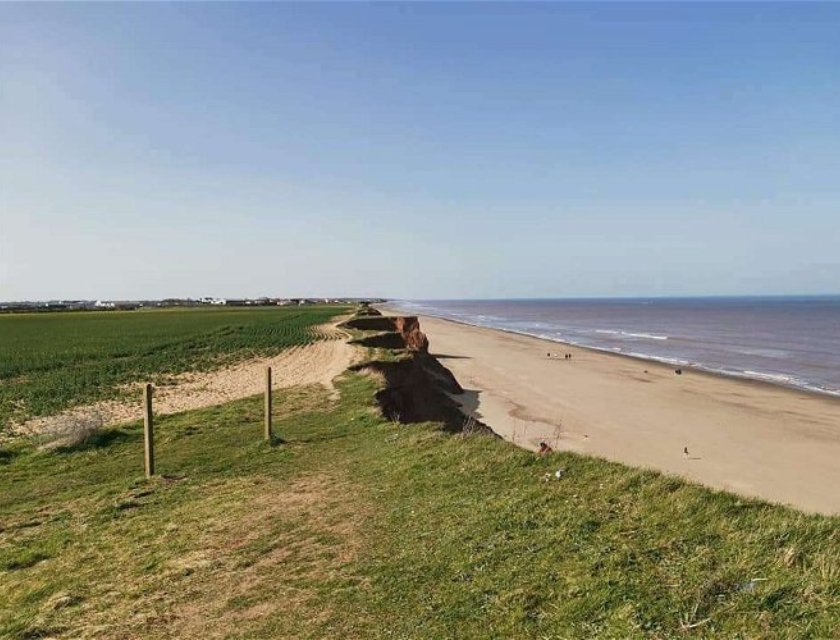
(268, 435)
(148, 430)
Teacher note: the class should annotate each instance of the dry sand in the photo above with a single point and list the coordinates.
(747, 437)
(316, 363)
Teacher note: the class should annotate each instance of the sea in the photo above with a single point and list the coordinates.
(789, 341)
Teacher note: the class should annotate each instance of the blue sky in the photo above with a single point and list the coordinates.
(419, 150)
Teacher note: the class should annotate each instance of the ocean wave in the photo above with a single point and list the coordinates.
(662, 359)
(630, 334)
(820, 389)
(779, 379)
(647, 336)
(589, 338)
(775, 377)
(765, 352)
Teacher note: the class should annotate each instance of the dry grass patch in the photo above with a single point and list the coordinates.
(71, 429)
(267, 561)
(246, 551)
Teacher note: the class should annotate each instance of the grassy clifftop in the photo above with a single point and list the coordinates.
(360, 527)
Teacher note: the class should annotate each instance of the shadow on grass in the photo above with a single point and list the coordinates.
(6, 457)
(100, 440)
(23, 560)
(312, 439)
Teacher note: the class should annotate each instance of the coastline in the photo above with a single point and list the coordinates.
(744, 435)
(757, 377)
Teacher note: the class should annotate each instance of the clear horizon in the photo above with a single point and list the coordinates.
(769, 296)
(419, 151)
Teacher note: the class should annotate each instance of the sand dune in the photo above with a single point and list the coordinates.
(751, 438)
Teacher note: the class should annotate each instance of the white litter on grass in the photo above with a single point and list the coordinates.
(558, 474)
(750, 585)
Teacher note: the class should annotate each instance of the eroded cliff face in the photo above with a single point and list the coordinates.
(395, 332)
(417, 388)
(372, 323)
(409, 328)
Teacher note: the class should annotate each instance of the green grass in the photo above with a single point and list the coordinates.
(358, 527)
(50, 362)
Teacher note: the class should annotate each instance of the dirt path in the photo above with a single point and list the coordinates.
(317, 363)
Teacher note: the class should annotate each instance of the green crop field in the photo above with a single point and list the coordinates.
(50, 362)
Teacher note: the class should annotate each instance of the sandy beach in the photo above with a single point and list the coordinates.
(746, 437)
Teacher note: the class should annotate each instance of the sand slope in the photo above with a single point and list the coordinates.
(316, 363)
(751, 438)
